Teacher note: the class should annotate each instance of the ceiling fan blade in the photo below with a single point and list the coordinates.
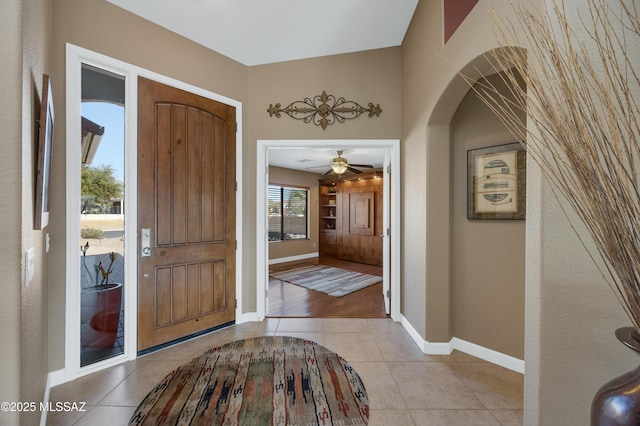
(327, 172)
(364, 166)
(352, 170)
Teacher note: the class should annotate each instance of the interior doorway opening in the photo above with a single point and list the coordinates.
(269, 154)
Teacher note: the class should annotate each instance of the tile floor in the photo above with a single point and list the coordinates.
(405, 386)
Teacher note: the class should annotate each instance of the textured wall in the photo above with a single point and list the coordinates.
(140, 43)
(570, 314)
(363, 77)
(488, 260)
(431, 92)
(11, 194)
(24, 46)
(34, 346)
(574, 313)
(372, 76)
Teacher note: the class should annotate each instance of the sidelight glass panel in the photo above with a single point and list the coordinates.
(102, 215)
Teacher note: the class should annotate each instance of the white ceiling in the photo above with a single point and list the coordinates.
(255, 32)
(317, 160)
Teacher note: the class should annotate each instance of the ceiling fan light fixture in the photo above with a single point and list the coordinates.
(339, 165)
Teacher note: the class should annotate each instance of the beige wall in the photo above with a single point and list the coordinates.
(372, 76)
(282, 249)
(34, 332)
(488, 260)
(104, 28)
(24, 46)
(363, 77)
(431, 92)
(10, 208)
(573, 313)
(570, 313)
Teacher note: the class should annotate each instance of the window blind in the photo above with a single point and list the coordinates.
(288, 213)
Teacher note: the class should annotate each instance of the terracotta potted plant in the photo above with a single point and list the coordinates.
(101, 307)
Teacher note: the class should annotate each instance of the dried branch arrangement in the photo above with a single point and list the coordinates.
(582, 102)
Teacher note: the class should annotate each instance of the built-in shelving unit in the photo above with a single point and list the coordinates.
(328, 217)
(350, 216)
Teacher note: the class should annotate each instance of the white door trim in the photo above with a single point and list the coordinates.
(75, 56)
(262, 250)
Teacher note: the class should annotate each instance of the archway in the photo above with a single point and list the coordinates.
(439, 199)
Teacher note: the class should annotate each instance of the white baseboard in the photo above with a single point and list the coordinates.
(426, 347)
(58, 377)
(294, 258)
(445, 348)
(45, 400)
(494, 357)
(247, 317)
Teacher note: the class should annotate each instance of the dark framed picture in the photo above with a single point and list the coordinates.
(496, 182)
(43, 169)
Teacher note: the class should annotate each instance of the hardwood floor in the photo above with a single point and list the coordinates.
(290, 300)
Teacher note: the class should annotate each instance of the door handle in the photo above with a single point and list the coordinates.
(145, 242)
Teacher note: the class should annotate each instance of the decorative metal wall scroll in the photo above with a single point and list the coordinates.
(324, 110)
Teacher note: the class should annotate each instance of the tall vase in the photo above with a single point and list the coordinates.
(618, 401)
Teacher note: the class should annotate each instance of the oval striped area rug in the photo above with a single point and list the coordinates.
(261, 381)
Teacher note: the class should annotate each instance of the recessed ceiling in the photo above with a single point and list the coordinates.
(255, 32)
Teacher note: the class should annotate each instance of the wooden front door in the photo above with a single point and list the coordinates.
(186, 210)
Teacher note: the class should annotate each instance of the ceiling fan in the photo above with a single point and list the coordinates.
(340, 165)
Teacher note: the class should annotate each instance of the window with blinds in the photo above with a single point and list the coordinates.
(288, 213)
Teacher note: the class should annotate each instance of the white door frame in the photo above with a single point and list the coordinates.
(75, 56)
(391, 236)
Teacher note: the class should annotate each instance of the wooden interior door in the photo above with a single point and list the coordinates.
(186, 207)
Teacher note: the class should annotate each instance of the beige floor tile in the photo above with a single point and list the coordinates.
(93, 387)
(405, 386)
(432, 385)
(353, 346)
(106, 416)
(135, 387)
(381, 389)
(495, 386)
(390, 418)
(315, 337)
(345, 325)
(453, 418)
(212, 340)
(186, 351)
(385, 325)
(65, 418)
(457, 356)
(400, 347)
(301, 324)
(509, 417)
(248, 330)
(271, 324)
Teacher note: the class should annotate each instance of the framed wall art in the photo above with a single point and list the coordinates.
(496, 182)
(43, 169)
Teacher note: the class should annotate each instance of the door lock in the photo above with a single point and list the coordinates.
(145, 242)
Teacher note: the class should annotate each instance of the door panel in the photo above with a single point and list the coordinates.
(359, 231)
(361, 213)
(186, 186)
